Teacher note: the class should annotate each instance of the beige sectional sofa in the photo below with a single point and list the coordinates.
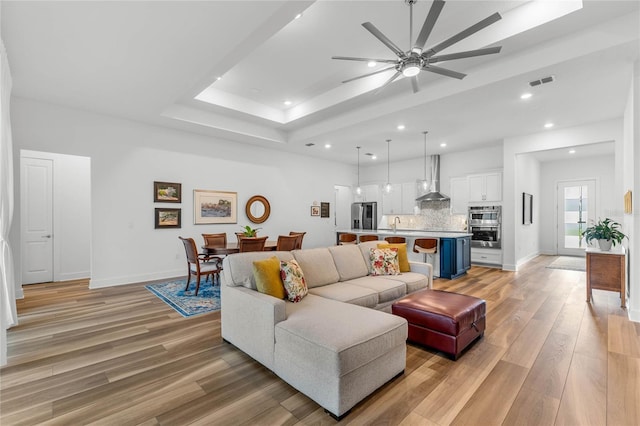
(331, 345)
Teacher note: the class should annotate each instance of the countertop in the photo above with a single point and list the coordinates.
(408, 233)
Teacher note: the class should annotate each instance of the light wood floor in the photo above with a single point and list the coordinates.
(120, 356)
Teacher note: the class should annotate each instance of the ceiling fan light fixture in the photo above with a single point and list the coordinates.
(411, 69)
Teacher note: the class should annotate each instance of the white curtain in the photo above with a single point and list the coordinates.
(8, 315)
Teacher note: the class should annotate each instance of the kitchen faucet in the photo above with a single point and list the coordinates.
(394, 223)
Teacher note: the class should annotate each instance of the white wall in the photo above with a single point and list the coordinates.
(127, 157)
(599, 168)
(527, 244)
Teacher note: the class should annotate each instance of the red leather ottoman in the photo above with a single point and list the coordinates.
(448, 322)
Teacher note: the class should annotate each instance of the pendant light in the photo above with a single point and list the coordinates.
(358, 189)
(425, 182)
(387, 186)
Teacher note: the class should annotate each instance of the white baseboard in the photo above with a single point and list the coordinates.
(634, 315)
(525, 260)
(131, 279)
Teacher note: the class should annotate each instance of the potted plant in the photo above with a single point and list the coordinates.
(606, 231)
(248, 231)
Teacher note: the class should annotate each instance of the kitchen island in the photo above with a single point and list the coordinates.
(452, 258)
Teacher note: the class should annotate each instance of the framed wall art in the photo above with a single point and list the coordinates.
(527, 209)
(324, 209)
(315, 210)
(168, 218)
(167, 192)
(214, 207)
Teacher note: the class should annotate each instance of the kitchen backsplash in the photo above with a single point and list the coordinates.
(434, 216)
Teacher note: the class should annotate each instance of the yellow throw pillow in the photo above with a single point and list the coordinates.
(403, 259)
(267, 275)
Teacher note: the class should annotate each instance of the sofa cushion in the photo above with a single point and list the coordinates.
(384, 261)
(349, 262)
(345, 292)
(237, 269)
(413, 280)
(266, 272)
(403, 259)
(318, 266)
(317, 334)
(293, 280)
(387, 287)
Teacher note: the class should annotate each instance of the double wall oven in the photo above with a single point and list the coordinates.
(485, 226)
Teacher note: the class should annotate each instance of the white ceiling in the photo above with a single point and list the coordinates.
(147, 61)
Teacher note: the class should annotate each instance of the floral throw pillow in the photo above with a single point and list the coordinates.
(294, 284)
(384, 261)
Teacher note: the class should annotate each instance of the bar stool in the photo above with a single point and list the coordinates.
(426, 246)
(395, 240)
(369, 237)
(348, 239)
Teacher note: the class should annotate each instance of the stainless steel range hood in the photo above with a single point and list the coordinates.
(434, 194)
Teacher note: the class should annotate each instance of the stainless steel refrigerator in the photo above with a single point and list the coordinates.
(364, 215)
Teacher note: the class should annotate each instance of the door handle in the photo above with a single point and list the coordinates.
(46, 236)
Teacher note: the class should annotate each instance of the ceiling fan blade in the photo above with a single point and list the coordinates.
(467, 54)
(414, 84)
(463, 34)
(429, 23)
(444, 71)
(371, 73)
(351, 58)
(383, 38)
(379, 89)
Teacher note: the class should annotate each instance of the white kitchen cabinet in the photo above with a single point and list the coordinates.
(485, 187)
(486, 256)
(371, 193)
(392, 201)
(459, 193)
(408, 197)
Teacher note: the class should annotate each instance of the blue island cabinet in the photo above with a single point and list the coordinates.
(455, 256)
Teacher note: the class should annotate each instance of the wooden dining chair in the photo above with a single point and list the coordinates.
(426, 246)
(300, 238)
(199, 264)
(287, 242)
(395, 240)
(347, 238)
(215, 240)
(252, 244)
(368, 237)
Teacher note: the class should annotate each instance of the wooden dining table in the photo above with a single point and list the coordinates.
(231, 248)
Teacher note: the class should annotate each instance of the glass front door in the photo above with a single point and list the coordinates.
(576, 208)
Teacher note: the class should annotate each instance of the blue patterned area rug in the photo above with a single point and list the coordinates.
(186, 302)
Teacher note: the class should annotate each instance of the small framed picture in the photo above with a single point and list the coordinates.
(324, 209)
(167, 192)
(168, 218)
(315, 210)
(527, 209)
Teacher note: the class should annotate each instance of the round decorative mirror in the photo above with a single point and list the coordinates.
(258, 209)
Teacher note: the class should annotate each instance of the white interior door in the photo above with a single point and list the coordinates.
(37, 220)
(576, 208)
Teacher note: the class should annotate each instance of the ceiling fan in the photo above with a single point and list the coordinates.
(417, 58)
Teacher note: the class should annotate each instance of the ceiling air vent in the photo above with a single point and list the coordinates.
(309, 144)
(543, 80)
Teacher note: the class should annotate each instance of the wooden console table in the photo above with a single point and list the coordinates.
(606, 271)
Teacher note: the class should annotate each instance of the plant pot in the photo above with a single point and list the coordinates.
(605, 245)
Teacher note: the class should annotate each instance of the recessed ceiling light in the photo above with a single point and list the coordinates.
(327, 145)
(572, 151)
(373, 157)
(298, 16)
(372, 64)
(526, 95)
(287, 103)
(400, 126)
(548, 125)
(218, 78)
(443, 144)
